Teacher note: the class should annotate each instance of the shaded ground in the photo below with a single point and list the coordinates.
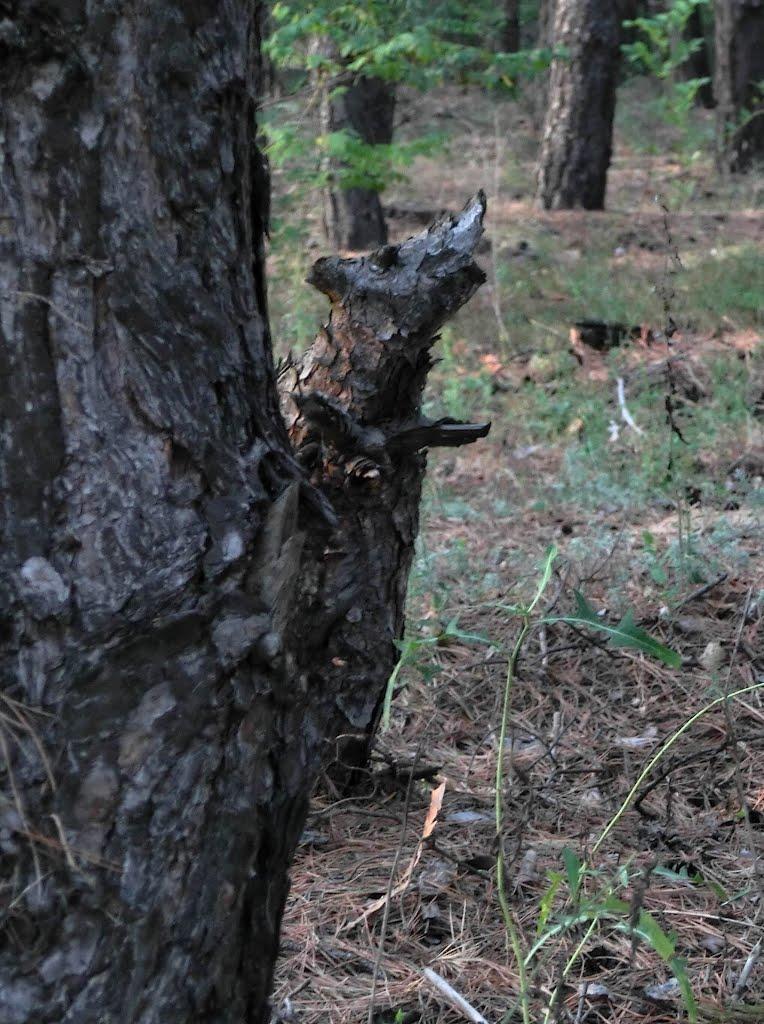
(662, 519)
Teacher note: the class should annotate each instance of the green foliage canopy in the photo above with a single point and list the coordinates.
(419, 43)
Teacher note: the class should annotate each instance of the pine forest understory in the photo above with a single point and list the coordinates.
(382, 512)
(577, 458)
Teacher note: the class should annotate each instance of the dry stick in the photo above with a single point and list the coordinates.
(21, 720)
(453, 997)
(34, 297)
(17, 899)
(626, 416)
(544, 648)
(64, 842)
(546, 327)
(19, 802)
(581, 1002)
(701, 591)
(748, 967)
(506, 911)
(497, 165)
(753, 712)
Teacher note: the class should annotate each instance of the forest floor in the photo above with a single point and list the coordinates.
(627, 870)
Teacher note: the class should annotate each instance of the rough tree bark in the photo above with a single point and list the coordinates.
(353, 407)
(738, 78)
(364, 107)
(578, 127)
(169, 580)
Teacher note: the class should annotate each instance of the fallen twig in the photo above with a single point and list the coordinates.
(748, 967)
(453, 997)
(702, 591)
(626, 416)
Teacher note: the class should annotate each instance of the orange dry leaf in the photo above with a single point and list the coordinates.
(491, 362)
(436, 802)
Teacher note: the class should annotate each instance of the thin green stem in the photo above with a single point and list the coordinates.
(506, 911)
(660, 754)
(566, 969)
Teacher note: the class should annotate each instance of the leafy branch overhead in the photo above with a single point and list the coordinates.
(408, 41)
(401, 42)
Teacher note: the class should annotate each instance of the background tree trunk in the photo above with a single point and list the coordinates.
(699, 63)
(168, 581)
(353, 217)
(738, 74)
(540, 83)
(510, 36)
(578, 128)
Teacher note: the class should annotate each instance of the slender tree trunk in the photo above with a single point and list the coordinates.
(544, 41)
(578, 128)
(353, 216)
(170, 588)
(510, 36)
(738, 74)
(699, 63)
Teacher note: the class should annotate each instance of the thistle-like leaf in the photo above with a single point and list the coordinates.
(626, 634)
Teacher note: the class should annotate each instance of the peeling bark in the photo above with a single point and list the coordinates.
(353, 408)
(169, 583)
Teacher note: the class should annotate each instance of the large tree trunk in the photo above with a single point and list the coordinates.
(152, 788)
(169, 585)
(738, 74)
(578, 128)
(363, 107)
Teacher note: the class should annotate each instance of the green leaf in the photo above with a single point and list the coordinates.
(647, 928)
(546, 576)
(547, 900)
(675, 876)
(452, 631)
(573, 869)
(615, 907)
(677, 965)
(626, 634)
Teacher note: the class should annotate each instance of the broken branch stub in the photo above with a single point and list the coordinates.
(353, 409)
